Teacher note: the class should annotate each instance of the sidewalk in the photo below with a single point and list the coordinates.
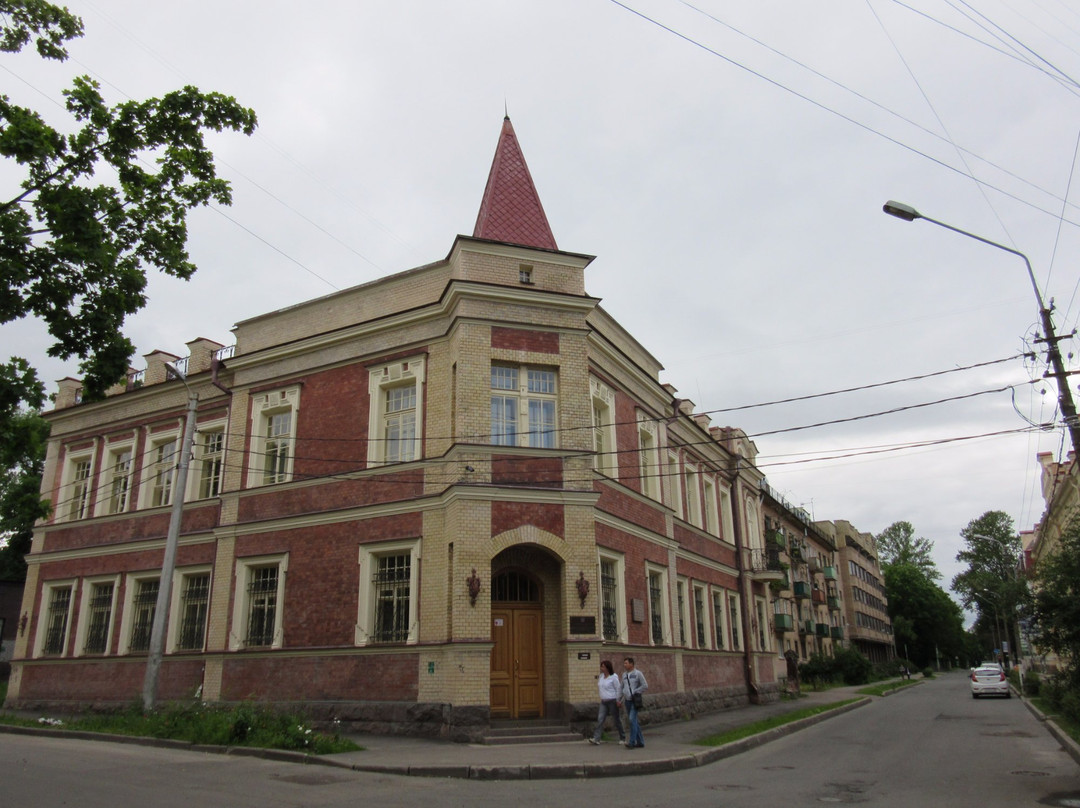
(668, 747)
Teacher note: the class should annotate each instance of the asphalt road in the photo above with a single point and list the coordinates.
(927, 746)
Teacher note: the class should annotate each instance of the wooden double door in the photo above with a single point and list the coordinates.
(517, 660)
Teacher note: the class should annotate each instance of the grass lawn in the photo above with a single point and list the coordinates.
(239, 725)
(1070, 728)
(769, 723)
(882, 687)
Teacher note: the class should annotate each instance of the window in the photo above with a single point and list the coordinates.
(389, 576)
(143, 593)
(733, 608)
(191, 605)
(210, 456)
(693, 496)
(762, 625)
(753, 526)
(77, 489)
(118, 481)
(701, 625)
(649, 459)
(719, 621)
(260, 593)
(95, 620)
(273, 432)
(161, 463)
(396, 411)
(523, 407)
(674, 481)
(684, 615)
(726, 520)
(712, 524)
(605, 458)
(52, 636)
(658, 606)
(613, 610)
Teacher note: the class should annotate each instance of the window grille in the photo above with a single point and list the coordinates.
(699, 616)
(97, 630)
(718, 619)
(194, 602)
(391, 585)
(609, 599)
(143, 606)
(59, 606)
(681, 596)
(733, 603)
(262, 606)
(655, 613)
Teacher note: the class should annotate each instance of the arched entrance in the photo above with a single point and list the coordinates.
(517, 658)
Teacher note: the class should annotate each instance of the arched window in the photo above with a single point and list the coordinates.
(512, 586)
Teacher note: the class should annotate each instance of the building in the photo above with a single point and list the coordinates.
(420, 504)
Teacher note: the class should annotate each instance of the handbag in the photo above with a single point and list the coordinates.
(637, 700)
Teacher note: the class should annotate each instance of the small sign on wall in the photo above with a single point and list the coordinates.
(583, 624)
(583, 655)
(499, 622)
(637, 610)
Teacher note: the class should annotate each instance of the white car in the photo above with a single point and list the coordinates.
(989, 680)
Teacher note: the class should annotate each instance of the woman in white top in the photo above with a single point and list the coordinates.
(610, 690)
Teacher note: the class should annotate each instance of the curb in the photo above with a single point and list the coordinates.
(547, 771)
(1067, 743)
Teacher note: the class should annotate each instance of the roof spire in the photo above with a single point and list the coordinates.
(510, 210)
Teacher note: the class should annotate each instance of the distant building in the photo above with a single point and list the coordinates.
(420, 504)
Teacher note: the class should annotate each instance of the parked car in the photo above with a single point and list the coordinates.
(989, 680)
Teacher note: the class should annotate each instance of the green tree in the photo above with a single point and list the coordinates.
(101, 203)
(897, 544)
(925, 619)
(1055, 604)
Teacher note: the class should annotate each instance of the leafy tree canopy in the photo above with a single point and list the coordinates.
(992, 554)
(1056, 601)
(897, 544)
(927, 623)
(100, 203)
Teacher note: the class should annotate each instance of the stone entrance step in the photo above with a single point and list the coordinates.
(529, 731)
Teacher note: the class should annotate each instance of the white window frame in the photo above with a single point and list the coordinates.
(703, 621)
(47, 590)
(682, 605)
(83, 629)
(154, 443)
(525, 430)
(619, 561)
(368, 561)
(245, 568)
(107, 479)
(132, 583)
(402, 373)
(735, 633)
(725, 636)
(754, 538)
(693, 494)
(665, 604)
(727, 520)
(712, 515)
(176, 607)
(264, 407)
(605, 457)
(71, 492)
(649, 455)
(675, 486)
(203, 460)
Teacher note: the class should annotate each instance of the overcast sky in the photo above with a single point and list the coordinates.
(726, 163)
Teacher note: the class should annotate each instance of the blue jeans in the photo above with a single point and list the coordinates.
(635, 728)
(608, 708)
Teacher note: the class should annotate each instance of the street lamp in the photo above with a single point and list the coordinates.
(1065, 400)
(168, 564)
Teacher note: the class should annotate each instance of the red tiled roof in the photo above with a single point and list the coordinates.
(511, 209)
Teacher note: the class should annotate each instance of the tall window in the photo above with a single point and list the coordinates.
(262, 612)
(193, 606)
(603, 423)
(609, 591)
(57, 615)
(699, 617)
(727, 521)
(276, 445)
(523, 406)
(392, 588)
(693, 496)
(718, 618)
(389, 575)
(658, 614)
(680, 591)
(733, 606)
(143, 605)
(649, 457)
(395, 396)
(162, 464)
(79, 492)
(712, 524)
(762, 624)
(273, 430)
(211, 458)
(119, 481)
(674, 483)
(98, 618)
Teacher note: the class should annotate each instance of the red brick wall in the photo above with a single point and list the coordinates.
(520, 339)
(629, 508)
(712, 671)
(331, 429)
(135, 528)
(545, 472)
(353, 677)
(332, 495)
(508, 515)
(104, 681)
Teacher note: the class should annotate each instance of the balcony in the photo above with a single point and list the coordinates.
(802, 589)
(815, 563)
(837, 632)
(806, 626)
(822, 629)
(830, 573)
(818, 596)
(765, 565)
(834, 603)
(783, 622)
(774, 538)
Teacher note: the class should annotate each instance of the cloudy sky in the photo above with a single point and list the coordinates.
(726, 163)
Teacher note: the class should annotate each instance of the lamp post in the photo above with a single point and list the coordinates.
(168, 564)
(1065, 400)
(1016, 582)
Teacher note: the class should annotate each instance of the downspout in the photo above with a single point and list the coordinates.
(744, 589)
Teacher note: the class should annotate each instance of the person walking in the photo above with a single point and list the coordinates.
(610, 688)
(634, 686)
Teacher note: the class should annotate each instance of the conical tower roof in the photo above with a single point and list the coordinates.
(511, 209)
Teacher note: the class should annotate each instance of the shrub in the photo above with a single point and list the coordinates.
(852, 666)
(928, 673)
